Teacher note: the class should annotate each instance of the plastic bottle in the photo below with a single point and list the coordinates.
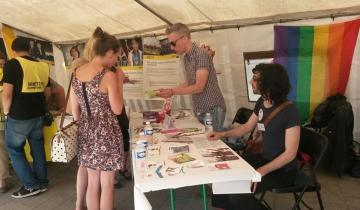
(140, 157)
(208, 122)
(148, 132)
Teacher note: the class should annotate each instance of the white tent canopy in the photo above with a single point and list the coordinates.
(68, 21)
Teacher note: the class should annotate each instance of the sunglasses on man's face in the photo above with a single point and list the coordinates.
(173, 43)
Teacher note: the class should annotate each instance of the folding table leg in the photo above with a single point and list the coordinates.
(172, 199)
(204, 197)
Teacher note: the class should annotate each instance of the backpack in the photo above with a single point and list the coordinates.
(354, 169)
(326, 110)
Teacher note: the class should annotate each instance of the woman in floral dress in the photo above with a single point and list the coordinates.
(95, 102)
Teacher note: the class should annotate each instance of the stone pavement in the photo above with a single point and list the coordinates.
(337, 193)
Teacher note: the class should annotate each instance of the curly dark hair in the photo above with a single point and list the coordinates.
(273, 82)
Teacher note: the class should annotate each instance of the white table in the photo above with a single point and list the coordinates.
(235, 180)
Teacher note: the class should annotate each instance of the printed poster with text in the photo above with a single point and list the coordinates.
(160, 71)
(133, 82)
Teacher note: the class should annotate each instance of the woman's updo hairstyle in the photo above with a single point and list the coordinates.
(103, 42)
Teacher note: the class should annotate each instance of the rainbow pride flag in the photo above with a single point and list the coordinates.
(318, 60)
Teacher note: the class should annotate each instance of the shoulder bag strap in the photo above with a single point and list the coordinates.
(66, 103)
(253, 134)
(275, 112)
(86, 99)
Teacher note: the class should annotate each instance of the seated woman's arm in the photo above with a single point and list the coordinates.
(238, 131)
(292, 139)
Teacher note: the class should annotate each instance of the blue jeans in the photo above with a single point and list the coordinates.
(218, 117)
(16, 133)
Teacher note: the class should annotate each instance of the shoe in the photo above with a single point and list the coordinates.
(126, 174)
(3, 189)
(43, 189)
(23, 193)
(117, 185)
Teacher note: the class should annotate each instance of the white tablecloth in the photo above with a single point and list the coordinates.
(235, 180)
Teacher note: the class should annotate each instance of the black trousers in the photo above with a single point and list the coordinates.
(279, 178)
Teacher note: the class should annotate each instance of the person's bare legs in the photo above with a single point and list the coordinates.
(81, 185)
(93, 190)
(107, 179)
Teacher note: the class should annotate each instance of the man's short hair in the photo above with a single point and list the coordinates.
(20, 44)
(2, 56)
(179, 28)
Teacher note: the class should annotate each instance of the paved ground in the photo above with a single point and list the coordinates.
(338, 194)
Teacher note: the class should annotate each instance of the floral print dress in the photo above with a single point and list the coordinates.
(100, 142)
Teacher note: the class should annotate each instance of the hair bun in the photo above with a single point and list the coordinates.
(98, 33)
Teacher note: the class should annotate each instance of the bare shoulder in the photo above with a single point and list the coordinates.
(109, 76)
(82, 69)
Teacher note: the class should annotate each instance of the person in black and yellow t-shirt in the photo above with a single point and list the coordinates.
(26, 87)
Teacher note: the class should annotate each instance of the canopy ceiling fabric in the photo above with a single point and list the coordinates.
(66, 21)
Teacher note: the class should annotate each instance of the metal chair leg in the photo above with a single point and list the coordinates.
(319, 199)
(261, 198)
(296, 205)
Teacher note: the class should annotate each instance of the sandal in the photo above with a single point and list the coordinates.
(4, 188)
(117, 184)
(126, 174)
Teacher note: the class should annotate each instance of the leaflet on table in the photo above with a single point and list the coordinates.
(160, 72)
(133, 82)
(173, 133)
(139, 129)
(177, 148)
(163, 170)
(153, 150)
(213, 155)
(201, 143)
(219, 166)
(182, 114)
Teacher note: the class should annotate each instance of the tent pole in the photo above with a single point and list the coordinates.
(153, 12)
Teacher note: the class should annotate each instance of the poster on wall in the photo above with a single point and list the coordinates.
(251, 59)
(131, 52)
(160, 71)
(73, 52)
(154, 46)
(41, 50)
(133, 82)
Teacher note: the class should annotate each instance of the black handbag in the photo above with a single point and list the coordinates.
(254, 144)
(48, 118)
